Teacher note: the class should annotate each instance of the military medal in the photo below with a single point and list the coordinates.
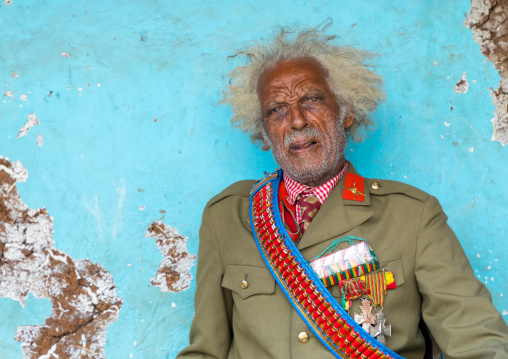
(366, 318)
(352, 288)
(380, 330)
(377, 285)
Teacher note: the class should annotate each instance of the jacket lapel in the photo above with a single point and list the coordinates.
(337, 216)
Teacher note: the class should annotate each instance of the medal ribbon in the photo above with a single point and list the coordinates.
(376, 283)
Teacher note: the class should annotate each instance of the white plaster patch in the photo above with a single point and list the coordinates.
(488, 21)
(16, 170)
(174, 271)
(23, 98)
(462, 86)
(8, 93)
(31, 122)
(14, 74)
(470, 149)
(500, 121)
(505, 312)
(65, 54)
(83, 294)
(40, 142)
(8, 2)
(447, 124)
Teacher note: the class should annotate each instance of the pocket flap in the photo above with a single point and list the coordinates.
(259, 280)
(396, 267)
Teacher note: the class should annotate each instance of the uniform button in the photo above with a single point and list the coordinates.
(303, 337)
(244, 284)
(375, 185)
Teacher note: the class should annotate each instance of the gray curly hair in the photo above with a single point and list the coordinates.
(357, 89)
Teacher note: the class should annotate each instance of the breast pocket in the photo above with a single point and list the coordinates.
(247, 281)
(396, 267)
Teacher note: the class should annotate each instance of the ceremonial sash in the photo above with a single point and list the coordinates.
(329, 322)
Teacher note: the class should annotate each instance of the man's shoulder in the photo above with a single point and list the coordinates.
(237, 189)
(381, 187)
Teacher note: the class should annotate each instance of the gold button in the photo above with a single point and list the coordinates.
(244, 284)
(303, 337)
(375, 185)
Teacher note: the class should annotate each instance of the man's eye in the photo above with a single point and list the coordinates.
(315, 98)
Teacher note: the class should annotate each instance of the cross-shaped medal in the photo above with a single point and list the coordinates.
(380, 330)
(366, 318)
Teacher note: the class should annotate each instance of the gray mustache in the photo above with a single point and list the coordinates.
(307, 132)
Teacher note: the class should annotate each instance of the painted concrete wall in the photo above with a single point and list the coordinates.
(125, 90)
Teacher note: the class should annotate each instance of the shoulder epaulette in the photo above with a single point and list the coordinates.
(386, 187)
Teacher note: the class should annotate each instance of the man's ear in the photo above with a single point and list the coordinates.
(348, 121)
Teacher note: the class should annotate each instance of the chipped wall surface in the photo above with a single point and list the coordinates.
(488, 19)
(82, 294)
(109, 109)
(174, 271)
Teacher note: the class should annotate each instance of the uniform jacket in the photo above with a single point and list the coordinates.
(407, 230)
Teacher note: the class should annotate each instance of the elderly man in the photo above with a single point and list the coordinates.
(315, 261)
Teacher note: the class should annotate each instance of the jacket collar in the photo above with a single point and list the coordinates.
(337, 215)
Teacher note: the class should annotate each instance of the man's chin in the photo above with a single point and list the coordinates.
(304, 175)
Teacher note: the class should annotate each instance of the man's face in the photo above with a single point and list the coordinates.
(300, 120)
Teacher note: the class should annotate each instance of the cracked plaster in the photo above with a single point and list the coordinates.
(488, 21)
(82, 294)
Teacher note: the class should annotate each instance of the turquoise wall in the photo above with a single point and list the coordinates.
(128, 121)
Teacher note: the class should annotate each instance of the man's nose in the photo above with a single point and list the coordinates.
(297, 118)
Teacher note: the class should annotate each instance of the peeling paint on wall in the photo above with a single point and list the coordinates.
(488, 21)
(174, 271)
(462, 86)
(82, 294)
(31, 122)
(40, 142)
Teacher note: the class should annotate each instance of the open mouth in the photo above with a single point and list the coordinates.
(303, 146)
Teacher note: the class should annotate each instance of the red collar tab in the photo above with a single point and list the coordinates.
(354, 187)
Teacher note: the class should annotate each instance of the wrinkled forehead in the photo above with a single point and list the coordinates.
(290, 71)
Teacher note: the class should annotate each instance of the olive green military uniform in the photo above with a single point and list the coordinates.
(407, 230)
